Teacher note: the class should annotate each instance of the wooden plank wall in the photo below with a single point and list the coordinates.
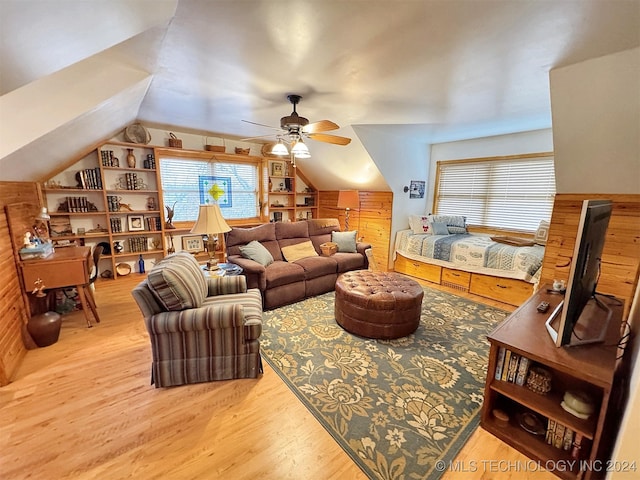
(621, 255)
(13, 312)
(372, 220)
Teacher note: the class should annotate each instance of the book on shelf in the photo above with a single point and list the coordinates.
(568, 439)
(558, 435)
(551, 428)
(523, 369)
(500, 363)
(513, 367)
(505, 368)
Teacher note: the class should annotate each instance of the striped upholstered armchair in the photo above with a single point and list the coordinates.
(201, 329)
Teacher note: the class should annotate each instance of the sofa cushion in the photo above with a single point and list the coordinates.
(177, 282)
(318, 266)
(286, 230)
(255, 251)
(346, 241)
(348, 261)
(299, 251)
(283, 273)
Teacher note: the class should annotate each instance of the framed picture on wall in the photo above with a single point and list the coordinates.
(192, 243)
(417, 189)
(277, 169)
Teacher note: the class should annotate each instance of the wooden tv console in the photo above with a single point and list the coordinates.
(588, 368)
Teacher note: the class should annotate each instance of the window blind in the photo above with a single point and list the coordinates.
(180, 185)
(515, 193)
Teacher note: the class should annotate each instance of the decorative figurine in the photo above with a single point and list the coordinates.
(170, 212)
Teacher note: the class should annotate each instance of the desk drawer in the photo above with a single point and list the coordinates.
(54, 275)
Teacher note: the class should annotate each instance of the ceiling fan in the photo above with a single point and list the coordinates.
(294, 127)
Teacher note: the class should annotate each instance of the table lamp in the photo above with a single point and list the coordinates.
(211, 223)
(348, 199)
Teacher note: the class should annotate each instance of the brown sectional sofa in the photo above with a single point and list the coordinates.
(284, 282)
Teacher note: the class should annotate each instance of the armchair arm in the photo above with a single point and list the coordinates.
(211, 317)
(226, 285)
(361, 247)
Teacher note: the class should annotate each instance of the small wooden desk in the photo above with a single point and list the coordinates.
(66, 267)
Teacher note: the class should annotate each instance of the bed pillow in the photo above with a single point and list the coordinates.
(299, 251)
(439, 228)
(257, 252)
(454, 223)
(346, 241)
(421, 225)
(542, 233)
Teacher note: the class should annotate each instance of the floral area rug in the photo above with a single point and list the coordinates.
(395, 406)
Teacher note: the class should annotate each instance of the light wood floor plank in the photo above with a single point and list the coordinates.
(83, 408)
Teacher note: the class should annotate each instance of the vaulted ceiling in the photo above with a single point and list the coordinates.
(74, 72)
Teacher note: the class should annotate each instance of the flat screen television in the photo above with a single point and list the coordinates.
(580, 295)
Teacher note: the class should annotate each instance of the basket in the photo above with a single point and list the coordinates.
(214, 148)
(328, 248)
(539, 380)
(174, 141)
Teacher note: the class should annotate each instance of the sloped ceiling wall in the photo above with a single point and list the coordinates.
(75, 72)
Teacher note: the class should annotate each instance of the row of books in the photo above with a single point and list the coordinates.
(108, 160)
(150, 161)
(562, 437)
(131, 181)
(152, 223)
(113, 203)
(138, 244)
(78, 204)
(116, 225)
(89, 179)
(512, 367)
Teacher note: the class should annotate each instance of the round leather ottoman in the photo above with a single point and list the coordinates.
(378, 304)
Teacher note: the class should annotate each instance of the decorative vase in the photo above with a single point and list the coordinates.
(131, 158)
(45, 328)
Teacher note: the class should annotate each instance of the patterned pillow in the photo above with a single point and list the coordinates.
(177, 282)
(420, 224)
(455, 223)
(439, 228)
(542, 233)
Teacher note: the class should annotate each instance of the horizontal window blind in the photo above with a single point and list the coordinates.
(514, 193)
(181, 185)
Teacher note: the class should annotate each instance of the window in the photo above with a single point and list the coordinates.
(188, 183)
(512, 193)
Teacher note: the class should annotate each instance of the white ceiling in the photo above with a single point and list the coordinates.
(422, 71)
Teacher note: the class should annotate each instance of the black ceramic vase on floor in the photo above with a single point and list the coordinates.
(45, 328)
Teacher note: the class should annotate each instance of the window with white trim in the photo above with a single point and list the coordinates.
(512, 193)
(188, 183)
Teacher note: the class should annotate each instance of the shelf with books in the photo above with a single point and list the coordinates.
(550, 383)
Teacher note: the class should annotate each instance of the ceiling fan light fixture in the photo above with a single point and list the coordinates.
(300, 150)
(279, 149)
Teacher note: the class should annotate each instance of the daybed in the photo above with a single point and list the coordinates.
(284, 259)
(470, 262)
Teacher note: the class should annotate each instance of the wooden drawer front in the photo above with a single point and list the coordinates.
(456, 278)
(425, 271)
(506, 290)
(54, 275)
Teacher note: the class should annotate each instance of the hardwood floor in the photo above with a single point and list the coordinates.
(83, 408)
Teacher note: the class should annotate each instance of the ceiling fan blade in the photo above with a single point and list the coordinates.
(335, 139)
(321, 126)
(263, 125)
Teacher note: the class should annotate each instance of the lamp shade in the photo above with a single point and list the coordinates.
(279, 149)
(348, 199)
(300, 150)
(210, 220)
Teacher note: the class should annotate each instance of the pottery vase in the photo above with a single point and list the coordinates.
(131, 158)
(45, 328)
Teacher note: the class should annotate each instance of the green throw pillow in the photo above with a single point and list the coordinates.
(255, 251)
(346, 241)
